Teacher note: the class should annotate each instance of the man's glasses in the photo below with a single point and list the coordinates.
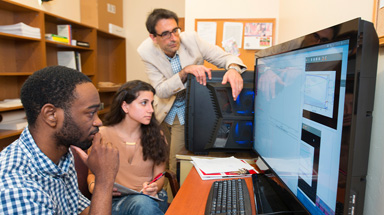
(320, 39)
(167, 34)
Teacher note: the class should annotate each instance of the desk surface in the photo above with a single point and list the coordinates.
(193, 194)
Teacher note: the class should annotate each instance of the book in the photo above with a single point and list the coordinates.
(14, 124)
(56, 38)
(80, 43)
(127, 191)
(78, 61)
(67, 58)
(65, 31)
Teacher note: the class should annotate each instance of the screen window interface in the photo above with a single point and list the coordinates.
(299, 118)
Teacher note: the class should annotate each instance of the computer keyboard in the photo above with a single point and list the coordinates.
(229, 197)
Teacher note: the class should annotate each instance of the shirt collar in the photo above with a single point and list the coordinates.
(174, 57)
(41, 161)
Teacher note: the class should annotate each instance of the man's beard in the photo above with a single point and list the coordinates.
(70, 134)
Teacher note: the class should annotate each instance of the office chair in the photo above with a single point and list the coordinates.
(82, 174)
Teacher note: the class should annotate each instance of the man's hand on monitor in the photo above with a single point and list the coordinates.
(235, 80)
(267, 83)
(199, 71)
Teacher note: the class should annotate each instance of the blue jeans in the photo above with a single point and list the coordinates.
(140, 204)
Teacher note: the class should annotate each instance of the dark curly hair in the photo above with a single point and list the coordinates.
(156, 15)
(152, 140)
(54, 85)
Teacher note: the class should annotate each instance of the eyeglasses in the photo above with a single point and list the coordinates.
(167, 34)
(319, 38)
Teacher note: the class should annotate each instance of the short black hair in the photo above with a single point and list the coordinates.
(54, 85)
(156, 15)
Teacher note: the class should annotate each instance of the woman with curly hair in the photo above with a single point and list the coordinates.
(132, 127)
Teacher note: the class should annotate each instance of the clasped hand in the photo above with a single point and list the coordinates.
(103, 160)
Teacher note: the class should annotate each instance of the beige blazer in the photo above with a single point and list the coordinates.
(193, 51)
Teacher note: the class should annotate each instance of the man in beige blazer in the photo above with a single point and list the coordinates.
(169, 56)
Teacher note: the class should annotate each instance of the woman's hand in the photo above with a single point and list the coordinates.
(150, 189)
(115, 192)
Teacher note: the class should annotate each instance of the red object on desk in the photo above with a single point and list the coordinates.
(193, 194)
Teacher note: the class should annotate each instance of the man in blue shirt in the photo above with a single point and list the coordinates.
(37, 173)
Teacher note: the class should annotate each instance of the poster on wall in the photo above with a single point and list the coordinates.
(233, 31)
(257, 35)
(207, 31)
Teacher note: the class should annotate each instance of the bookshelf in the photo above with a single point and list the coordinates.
(103, 61)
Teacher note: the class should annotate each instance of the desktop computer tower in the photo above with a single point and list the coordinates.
(214, 121)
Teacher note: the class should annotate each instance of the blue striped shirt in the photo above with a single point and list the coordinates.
(178, 107)
(30, 183)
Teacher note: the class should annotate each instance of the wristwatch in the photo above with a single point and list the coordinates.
(235, 68)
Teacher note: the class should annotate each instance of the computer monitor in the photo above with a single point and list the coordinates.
(214, 121)
(313, 113)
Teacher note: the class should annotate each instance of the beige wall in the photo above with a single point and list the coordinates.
(374, 197)
(216, 9)
(135, 15)
(300, 17)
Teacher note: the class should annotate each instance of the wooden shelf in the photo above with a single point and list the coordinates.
(103, 61)
(104, 111)
(11, 108)
(381, 41)
(9, 133)
(64, 45)
(108, 89)
(16, 74)
(107, 34)
(17, 37)
(15, 7)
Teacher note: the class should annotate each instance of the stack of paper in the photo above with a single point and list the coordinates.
(8, 103)
(21, 29)
(219, 168)
(13, 120)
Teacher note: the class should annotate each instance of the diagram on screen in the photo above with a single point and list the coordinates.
(319, 92)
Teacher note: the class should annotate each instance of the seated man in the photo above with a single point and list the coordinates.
(37, 173)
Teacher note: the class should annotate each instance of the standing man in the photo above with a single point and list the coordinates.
(37, 173)
(169, 56)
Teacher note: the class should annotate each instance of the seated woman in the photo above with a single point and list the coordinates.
(131, 126)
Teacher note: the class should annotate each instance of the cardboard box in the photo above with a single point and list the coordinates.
(101, 13)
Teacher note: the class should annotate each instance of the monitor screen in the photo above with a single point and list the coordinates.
(303, 103)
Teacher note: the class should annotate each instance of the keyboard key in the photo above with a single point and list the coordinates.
(230, 197)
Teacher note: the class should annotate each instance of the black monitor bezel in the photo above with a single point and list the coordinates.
(362, 42)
